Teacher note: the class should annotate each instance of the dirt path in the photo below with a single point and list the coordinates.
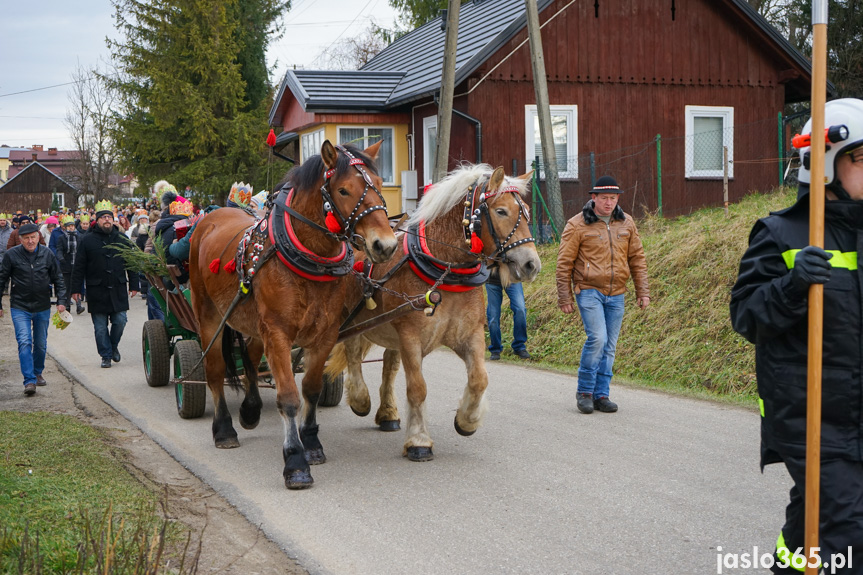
(231, 545)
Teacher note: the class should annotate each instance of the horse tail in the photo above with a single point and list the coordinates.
(338, 361)
(229, 337)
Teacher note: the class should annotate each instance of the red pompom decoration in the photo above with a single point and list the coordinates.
(359, 266)
(271, 138)
(231, 266)
(332, 223)
(214, 265)
(475, 243)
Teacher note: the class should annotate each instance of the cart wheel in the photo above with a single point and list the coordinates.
(157, 353)
(331, 394)
(192, 394)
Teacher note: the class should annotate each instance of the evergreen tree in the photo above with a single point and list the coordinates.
(194, 91)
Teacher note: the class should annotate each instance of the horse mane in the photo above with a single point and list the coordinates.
(441, 197)
(306, 175)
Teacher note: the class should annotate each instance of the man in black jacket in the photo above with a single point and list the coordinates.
(32, 269)
(106, 276)
(769, 306)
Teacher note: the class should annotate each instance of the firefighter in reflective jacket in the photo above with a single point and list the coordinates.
(769, 308)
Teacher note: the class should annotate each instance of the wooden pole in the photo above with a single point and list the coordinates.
(540, 87)
(447, 88)
(816, 291)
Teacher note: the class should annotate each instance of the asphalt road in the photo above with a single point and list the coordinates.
(656, 488)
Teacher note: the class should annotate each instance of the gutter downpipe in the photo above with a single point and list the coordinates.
(474, 121)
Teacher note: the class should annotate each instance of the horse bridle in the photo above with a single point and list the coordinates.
(349, 224)
(474, 214)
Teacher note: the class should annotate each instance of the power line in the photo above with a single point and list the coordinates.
(36, 89)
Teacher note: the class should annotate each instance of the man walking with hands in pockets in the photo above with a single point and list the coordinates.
(599, 250)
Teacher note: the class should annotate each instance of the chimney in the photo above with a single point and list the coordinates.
(34, 157)
(37, 148)
(52, 151)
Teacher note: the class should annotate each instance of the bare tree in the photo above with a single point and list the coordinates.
(352, 53)
(88, 121)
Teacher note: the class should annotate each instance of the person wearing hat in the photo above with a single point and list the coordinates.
(5, 232)
(83, 225)
(769, 307)
(107, 280)
(13, 241)
(33, 269)
(599, 250)
(67, 249)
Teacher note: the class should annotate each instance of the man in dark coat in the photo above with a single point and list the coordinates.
(106, 276)
(32, 269)
(769, 306)
(67, 249)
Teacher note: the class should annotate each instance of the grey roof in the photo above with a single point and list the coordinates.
(353, 90)
(483, 28)
(4, 152)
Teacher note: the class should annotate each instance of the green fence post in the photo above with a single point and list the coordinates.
(781, 151)
(537, 193)
(659, 172)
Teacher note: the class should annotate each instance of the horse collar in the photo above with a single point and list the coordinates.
(452, 277)
(297, 257)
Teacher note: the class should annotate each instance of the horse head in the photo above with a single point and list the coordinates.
(505, 232)
(351, 209)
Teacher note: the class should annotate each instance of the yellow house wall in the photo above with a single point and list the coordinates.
(5, 164)
(392, 194)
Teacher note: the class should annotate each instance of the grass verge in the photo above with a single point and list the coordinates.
(683, 342)
(68, 505)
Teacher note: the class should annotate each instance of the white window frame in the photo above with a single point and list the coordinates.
(305, 138)
(571, 113)
(367, 142)
(428, 159)
(61, 198)
(726, 113)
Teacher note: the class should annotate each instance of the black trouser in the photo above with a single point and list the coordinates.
(840, 519)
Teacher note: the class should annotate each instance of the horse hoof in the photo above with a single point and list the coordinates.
(298, 479)
(249, 424)
(315, 456)
(362, 413)
(391, 425)
(415, 453)
(228, 443)
(461, 431)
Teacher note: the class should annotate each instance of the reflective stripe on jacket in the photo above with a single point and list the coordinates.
(770, 311)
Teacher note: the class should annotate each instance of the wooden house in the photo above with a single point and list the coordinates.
(34, 188)
(648, 92)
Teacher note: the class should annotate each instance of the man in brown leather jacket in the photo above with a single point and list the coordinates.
(599, 250)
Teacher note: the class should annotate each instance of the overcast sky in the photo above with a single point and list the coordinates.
(42, 43)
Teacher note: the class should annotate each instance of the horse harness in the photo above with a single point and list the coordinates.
(448, 276)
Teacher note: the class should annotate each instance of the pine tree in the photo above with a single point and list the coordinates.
(194, 91)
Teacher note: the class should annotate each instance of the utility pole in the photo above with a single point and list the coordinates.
(447, 87)
(552, 180)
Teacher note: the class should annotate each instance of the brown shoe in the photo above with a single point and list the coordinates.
(30, 389)
(40, 381)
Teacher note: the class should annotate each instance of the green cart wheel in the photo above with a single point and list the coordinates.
(157, 353)
(191, 394)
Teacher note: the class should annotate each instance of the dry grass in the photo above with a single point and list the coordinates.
(683, 341)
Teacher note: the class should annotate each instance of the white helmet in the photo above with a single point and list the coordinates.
(843, 120)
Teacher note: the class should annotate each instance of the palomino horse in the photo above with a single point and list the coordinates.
(469, 198)
(295, 303)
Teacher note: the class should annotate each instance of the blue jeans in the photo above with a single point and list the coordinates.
(106, 343)
(519, 316)
(602, 316)
(153, 309)
(31, 331)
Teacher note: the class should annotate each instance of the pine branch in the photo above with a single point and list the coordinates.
(142, 262)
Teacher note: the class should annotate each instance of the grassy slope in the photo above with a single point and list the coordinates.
(683, 342)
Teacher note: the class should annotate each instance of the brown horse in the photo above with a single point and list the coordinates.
(470, 198)
(299, 302)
